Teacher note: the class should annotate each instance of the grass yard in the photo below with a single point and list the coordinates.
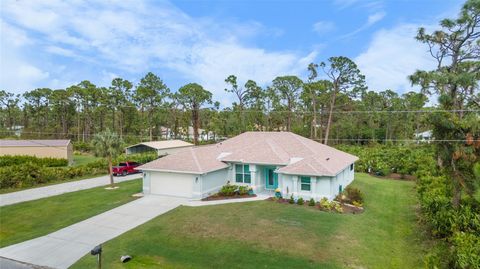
(27, 220)
(81, 159)
(271, 235)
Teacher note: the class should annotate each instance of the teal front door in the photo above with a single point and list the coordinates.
(271, 179)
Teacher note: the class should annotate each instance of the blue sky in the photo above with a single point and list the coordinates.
(56, 44)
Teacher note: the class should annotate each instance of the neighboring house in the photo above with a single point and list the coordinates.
(263, 160)
(165, 147)
(424, 136)
(62, 149)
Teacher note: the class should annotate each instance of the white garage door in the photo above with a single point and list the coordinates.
(172, 184)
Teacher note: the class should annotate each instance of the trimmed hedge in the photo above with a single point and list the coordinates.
(31, 173)
(8, 160)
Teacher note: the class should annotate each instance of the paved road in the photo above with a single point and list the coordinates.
(52, 190)
(64, 247)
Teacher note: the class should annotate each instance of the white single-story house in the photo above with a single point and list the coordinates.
(165, 147)
(426, 136)
(265, 161)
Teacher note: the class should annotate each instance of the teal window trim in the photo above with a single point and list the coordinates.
(305, 184)
(242, 173)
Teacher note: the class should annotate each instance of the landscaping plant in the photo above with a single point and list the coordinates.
(311, 202)
(291, 200)
(300, 201)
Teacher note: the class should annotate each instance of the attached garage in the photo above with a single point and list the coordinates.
(172, 184)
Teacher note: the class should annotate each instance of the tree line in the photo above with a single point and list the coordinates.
(339, 106)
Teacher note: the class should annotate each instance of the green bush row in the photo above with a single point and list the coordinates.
(458, 227)
(28, 174)
(8, 160)
(231, 190)
(386, 159)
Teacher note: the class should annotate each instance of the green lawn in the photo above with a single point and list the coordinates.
(271, 235)
(27, 220)
(83, 159)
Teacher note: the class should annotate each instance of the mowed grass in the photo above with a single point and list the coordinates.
(27, 220)
(271, 235)
(81, 159)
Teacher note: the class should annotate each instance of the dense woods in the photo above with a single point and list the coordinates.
(320, 109)
(332, 105)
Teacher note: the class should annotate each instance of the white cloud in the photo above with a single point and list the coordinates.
(115, 37)
(376, 17)
(392, 56)
(323, 27)
(21, 75)
(372, 19)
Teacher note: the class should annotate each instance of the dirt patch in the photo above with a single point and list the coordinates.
(220, 197)
(347, 208)
(396, 176)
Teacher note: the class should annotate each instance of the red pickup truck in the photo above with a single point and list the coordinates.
(125, 168)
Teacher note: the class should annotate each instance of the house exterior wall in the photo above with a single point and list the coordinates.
(201, 186)
(212, 182)
(320, 187)
(65, 152)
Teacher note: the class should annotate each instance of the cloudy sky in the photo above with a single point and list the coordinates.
(55, 44)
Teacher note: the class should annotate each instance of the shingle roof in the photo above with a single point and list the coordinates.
(166, 144)
(34, 143)
(298, 155)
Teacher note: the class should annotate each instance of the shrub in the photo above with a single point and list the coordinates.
(466, 250)
(243, 190)
(291, 200)
(338, 207)
(300, 201)
(228, 190)
(354, 194)
(311, 202)
(357, 204)
(325, 204)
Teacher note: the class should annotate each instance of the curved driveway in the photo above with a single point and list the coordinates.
(64, 247)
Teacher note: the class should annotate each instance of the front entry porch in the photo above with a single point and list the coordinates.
(271, 178)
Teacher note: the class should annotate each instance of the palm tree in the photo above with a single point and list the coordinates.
(107, 144)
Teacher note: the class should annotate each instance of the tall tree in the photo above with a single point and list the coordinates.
(242, 94)
(119, 93)
(310, 88)
(193, 96)
(9, 102)
(345, 77)
(456, 49)
(288, 88)
(150, 94)
(107, 144)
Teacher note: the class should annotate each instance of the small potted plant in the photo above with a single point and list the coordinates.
(278, 193)
(250, 191)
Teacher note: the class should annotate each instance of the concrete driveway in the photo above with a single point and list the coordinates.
(52, 190)
(64, 247)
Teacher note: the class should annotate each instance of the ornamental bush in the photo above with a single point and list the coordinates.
(311, 202)
(300, 201)
(228, 190)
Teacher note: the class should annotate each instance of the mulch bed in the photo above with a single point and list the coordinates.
(347, 208)
(219, 197)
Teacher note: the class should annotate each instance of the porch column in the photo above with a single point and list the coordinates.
(253, 176)
(313, 183)
(295, 185)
